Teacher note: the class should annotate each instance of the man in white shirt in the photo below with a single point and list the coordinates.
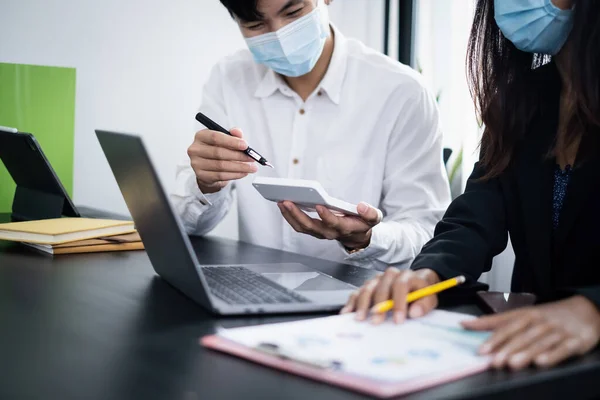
(323, 107)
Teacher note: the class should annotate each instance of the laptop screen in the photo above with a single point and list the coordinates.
(166, 243)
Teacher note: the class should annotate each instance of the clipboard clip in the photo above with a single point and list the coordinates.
(276, 351)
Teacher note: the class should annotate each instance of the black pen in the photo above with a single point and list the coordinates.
(213, 126)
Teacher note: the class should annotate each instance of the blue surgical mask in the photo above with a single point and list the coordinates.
(294, 49)
(534, 26)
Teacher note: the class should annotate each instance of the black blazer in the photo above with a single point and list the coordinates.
(551, 264)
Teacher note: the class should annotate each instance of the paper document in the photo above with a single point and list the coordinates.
(427, 347)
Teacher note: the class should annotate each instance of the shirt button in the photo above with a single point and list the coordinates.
(302, 111)
(296, 161)
(319, 93)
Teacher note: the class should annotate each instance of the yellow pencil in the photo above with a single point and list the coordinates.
(387, 305)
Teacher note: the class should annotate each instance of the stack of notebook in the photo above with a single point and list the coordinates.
(73, 235)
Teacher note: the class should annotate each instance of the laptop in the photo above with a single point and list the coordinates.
(221, 289)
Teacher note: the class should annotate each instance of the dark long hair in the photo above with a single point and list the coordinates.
(505, 95)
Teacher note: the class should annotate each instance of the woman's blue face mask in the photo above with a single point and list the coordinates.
(534, 26)
(294, 49)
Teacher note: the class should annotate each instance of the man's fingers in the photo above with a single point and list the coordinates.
(330, 220)
(340, 227)
(215, 185)
(210, 178)
(302, 223)
(305, 221)
(223, 166)
(310, 225)
(218, 139)
(369, 214)
(345, 225)
(237, 132)
(217, 153)
(216, 159)
(290, 218)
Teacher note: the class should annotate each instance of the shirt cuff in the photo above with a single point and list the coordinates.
(378, 245)
(205, 199)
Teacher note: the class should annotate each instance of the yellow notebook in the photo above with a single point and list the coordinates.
(63, 230)
(128, 242)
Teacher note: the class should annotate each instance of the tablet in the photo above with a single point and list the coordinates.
(306, 194)
(39, 193)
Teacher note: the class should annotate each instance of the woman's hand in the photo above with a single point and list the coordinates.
(396, 285)
(542, 335)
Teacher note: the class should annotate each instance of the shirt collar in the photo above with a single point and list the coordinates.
(331, 83)
(336, 73)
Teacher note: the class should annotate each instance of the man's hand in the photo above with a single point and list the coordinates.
(542, 335)
(352, 232)
(217, 159)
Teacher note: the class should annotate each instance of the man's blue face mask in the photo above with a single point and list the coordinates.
(294, 49)
(534, 26)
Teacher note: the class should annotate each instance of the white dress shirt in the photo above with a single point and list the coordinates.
(370, 132)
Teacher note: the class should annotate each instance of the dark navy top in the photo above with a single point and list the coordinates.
(561, 181)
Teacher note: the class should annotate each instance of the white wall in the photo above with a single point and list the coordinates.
(140, 68)
(360, 19)
(141, 65)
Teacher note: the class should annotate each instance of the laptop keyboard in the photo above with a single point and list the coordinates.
(240, 285)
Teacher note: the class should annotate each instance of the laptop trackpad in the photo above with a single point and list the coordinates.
(313, 285)
(307, 281)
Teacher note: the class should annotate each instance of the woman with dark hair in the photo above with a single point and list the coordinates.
(534, 71)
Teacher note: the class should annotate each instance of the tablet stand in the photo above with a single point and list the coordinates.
(30, 204)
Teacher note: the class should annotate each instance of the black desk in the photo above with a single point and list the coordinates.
(103, 326)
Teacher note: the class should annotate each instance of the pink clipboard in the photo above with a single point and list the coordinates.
(337, 378)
